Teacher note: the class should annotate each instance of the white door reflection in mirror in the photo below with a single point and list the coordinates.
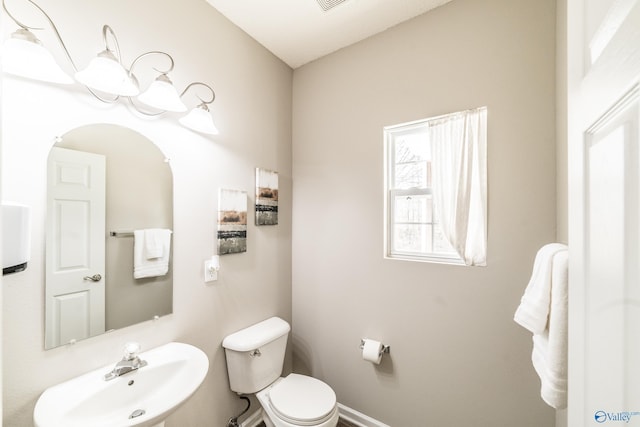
(75, 297)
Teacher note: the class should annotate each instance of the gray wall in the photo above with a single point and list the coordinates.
(457, 358)
(252, 111)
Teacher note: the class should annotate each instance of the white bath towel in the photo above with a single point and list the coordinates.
(534, 306)
(549, 355)
(151, 251)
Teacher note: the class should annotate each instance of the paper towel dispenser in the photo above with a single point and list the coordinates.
(16, 237)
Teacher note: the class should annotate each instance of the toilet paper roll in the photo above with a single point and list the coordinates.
(372, 351)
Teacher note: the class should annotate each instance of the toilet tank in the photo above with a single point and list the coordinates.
(255, 355)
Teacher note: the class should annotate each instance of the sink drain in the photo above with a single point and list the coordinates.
(137, 413)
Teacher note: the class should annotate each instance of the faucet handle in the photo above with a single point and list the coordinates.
(131, 350)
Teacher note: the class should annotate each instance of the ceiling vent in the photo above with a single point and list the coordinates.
(329, 4)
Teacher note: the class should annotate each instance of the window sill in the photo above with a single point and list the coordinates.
(434, 259)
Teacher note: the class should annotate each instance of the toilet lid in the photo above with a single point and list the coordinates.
(302, 399)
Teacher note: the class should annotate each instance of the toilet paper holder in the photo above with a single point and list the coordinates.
(385, 348)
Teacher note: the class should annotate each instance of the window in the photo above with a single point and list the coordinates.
(435, 189)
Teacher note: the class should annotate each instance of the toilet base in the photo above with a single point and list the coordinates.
(333, 422)
(272, 420)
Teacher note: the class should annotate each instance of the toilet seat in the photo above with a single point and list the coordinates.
(302, 400)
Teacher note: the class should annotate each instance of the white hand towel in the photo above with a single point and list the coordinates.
(549, 354)
(154, 242)
(151, 266)
(533, 311)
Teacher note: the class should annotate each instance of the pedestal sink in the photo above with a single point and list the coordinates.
(144, 397)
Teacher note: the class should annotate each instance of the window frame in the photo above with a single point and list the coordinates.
(391, 133)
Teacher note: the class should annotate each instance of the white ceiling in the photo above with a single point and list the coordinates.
(299, 31)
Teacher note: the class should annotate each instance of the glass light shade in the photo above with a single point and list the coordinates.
(105, 74)
(199, 120)
(162, 95)
(23, 55)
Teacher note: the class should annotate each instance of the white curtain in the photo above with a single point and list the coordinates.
(459, 162)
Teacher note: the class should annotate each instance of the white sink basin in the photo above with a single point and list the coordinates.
(173, 373)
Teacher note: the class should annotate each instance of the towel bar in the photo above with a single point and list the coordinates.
(121, 233)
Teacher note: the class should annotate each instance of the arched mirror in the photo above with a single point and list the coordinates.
(109, 217)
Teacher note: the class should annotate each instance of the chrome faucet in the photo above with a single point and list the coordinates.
(130, 362)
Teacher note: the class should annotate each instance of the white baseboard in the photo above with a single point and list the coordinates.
(254, 419)
(357, 418)
(349, 415)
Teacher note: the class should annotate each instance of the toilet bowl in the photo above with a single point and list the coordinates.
(299, 400)
(255, 356)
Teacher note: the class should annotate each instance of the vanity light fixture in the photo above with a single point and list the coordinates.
(24, 55)
(105, 72)
(162, 95)
(199, 119)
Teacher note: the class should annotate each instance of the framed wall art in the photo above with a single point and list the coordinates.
(232, 221)
(266, 197)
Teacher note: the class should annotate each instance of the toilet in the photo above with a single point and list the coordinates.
(255, 356)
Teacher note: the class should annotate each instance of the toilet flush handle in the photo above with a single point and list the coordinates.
(255, 353)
